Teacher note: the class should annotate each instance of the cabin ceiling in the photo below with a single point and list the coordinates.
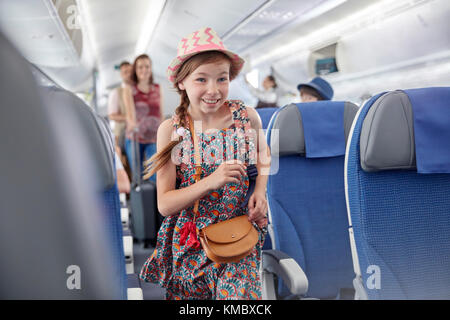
(110, 30)
(183, 17)
(113, 28)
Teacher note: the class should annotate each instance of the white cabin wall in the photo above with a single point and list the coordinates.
(416, 33)
(406, 46)
(171, 99)
(410, 50)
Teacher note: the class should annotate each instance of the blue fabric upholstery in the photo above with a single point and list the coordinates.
(323, 128)
(266, 114)
(431, 110)
(401, 223)
(309, 218)
(111, 206)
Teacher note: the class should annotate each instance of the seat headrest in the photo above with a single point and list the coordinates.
(407, 130)
(66, 104)
(323, 124)
(387, 134)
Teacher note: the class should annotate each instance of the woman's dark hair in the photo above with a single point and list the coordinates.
(133, 73)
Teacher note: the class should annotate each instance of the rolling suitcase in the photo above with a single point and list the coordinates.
(146, 219)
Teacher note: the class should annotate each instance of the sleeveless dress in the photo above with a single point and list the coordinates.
(184, 270)
(148, 114)
(148, 119)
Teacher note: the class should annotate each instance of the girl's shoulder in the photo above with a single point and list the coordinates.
(254, 118)
(245, 115)
(167, 131)
(166, 126)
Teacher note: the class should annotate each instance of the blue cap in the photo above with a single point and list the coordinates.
(321, 86)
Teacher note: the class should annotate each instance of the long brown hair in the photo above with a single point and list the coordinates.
(133, 73)
(158, 160)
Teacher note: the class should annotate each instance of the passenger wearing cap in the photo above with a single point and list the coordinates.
(201, 74)
(316, 90)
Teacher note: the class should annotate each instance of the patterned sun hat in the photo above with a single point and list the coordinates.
(204, 39)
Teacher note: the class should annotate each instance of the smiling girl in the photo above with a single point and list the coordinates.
(201, 74)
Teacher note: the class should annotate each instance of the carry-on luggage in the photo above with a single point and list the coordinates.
(145, 218)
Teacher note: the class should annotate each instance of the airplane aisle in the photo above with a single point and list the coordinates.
(150, 291)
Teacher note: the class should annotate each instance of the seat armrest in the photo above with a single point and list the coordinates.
(123, 199)
(279, 263)
(134, 290)
(135, 294)
(128, 252)
(360, 291)
(124, 217)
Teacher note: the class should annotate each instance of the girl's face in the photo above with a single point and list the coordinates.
(143, 70)
(207, 86)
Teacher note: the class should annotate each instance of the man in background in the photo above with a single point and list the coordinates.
(116, 110)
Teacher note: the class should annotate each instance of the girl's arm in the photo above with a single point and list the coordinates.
(170, 200)
(117, 117)
(258, 203)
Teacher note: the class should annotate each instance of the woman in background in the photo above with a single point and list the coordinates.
(143, 102)
(267, 98)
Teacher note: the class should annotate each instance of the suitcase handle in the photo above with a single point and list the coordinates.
(136, 181)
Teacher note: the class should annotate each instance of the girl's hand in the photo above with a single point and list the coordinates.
(228, 172)
(257, 209)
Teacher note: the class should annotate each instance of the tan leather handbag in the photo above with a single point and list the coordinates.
(229, 240)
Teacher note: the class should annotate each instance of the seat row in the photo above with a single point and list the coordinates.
(61, 227)
(359, 198)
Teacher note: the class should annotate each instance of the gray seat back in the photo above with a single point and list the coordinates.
(52, 240)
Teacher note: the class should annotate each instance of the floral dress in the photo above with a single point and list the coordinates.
(182, 268)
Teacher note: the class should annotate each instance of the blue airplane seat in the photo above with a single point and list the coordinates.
(306, 195)
(266, 114)
(53, 242)
(398, 193)
(101, 152)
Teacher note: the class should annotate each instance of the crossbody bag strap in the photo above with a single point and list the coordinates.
(242, 124)
(198, 161)
(189, 230)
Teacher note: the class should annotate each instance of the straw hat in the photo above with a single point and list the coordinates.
(204, 39)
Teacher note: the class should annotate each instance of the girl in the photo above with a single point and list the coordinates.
(201, 74)
(143, 111)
